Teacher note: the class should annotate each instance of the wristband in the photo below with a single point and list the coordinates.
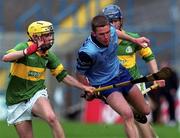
(31, 49)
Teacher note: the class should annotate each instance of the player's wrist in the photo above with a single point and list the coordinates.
(83, 87)
(30, 49)
(134, 40)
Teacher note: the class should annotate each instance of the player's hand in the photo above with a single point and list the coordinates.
(88, 93)
(33, 47)
(161, 83)
(42, 45)
(30, 49)
(88, 96)
(89, 89)
(142, 41)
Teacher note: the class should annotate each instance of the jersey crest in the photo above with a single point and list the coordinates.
(129, 49)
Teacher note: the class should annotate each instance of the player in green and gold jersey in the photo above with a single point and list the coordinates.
(127, 56)
(26, 92)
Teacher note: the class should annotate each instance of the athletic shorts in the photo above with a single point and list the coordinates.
(122, 77)
(141, 86)
(22, 111)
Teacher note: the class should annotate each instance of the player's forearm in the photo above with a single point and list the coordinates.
(123, 35)
(141, 41)
(153, 68)
(13, 56)
(82, 78)
(73, 82)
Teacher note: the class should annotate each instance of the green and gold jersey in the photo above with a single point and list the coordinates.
(27, 75)
(127, 54)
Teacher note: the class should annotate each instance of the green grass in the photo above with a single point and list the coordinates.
(81, 130)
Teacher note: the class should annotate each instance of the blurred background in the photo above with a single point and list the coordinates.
(156, 19)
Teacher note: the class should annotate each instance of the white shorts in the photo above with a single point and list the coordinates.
(22, 111)
(141, 86)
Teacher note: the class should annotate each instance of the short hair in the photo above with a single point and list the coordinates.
(99, 21)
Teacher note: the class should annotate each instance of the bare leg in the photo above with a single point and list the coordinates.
(145, 130)
(120, 105)
(43, 109)
(24, 129)
(137, 101)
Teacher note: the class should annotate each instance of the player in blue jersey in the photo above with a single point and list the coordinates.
(98, 65)
(127, 55)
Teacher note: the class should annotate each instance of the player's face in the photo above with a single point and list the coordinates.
(48, 38)
(45, 41)
(117, 23)
(44, 38)
(102, 34)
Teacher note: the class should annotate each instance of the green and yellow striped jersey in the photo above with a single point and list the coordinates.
(27, 75)
(127, 55)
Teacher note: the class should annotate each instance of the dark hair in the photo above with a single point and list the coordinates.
(99, 21)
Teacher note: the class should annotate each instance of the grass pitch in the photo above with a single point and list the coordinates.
(81, 130)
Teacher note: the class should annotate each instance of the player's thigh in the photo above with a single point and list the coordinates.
(24, 129)
(43, 108)
(137, 100)
(117, 101)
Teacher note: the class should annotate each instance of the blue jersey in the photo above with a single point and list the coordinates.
(99, 64)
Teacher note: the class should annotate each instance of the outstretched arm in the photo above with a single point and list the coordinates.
(82, 78)
(141, 41)
(153, 68)
(15, 55)
(73, 82)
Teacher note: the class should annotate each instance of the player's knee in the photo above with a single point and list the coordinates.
(52, 119)
(127, 115)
